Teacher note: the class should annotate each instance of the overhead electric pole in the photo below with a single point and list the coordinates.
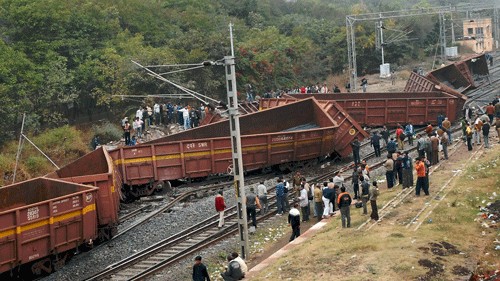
(442, 36)
(351, 21)
(234, 124)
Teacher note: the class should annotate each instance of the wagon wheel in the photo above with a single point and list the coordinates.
(311, 163)
(162, 185)
(266, 170)
(59, 262)
(286, 167)
(230, 169)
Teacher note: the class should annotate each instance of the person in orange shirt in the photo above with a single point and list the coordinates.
(421, 176)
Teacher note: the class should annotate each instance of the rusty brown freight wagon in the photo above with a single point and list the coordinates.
(379, 109)
(42, 220)
(460, 76)
(348, 129)
(97, 169)
(283, 136)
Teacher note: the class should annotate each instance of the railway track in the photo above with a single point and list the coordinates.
(176, 247)
(400, 196)
(196, 237)
(190, 240)
(181, 197)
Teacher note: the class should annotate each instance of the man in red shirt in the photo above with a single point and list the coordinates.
(220, 206)
(429, 129)
(400, 137)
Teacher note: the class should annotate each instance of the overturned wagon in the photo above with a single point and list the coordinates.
(348, 129)
(42, 221)
(283, 136)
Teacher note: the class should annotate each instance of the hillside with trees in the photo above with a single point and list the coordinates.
(64, 62)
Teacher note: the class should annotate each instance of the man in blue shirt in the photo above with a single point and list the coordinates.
(280, 196)
(409, 132)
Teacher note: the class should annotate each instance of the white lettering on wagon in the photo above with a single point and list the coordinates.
(75, 202)
(196, 145)
(282, 138)
(32, 257)
(33, 213)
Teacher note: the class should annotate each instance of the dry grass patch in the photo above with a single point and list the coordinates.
(446, 246)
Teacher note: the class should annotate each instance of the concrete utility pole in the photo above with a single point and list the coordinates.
(452, 29)
(495, 28)
(442, 36)
(19, 149)
(234, 123)
(381, 27)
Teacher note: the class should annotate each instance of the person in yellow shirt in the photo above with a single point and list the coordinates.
(468, 136)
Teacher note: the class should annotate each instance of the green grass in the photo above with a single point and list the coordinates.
(62, 145)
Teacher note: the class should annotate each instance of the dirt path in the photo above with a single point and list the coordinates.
(434, 237)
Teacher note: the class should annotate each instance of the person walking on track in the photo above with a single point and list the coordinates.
(220, 206)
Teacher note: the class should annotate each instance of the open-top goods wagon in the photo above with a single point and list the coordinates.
(379, 109)
(42, 221)
(283, 136)
(97, 169)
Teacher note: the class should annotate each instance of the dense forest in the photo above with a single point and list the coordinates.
(61, 61)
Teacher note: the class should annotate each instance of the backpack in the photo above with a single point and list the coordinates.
(365, 188)
(402, 136)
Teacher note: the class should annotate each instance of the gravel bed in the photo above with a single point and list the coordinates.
(162, 226)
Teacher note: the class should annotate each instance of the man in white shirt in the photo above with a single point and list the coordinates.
(185, 116)
(262, 193)
(138, 113)
(156, 109)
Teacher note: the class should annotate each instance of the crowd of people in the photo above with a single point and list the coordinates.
(186, 116)
(330, 196)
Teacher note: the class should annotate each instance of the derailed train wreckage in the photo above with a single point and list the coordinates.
(44, 219)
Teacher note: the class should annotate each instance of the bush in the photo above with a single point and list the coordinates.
(107, 132)
(37, 165)
(63, 145)
(6, 169)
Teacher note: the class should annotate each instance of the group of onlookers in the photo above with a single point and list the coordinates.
(161, 114)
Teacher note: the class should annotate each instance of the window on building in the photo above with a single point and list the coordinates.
(479, 30)
(470, 31)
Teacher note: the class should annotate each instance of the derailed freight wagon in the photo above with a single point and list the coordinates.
(462, 75)
(348, 129)
(42, 222)
(379, 109)
(285, 137)
(97, 169)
